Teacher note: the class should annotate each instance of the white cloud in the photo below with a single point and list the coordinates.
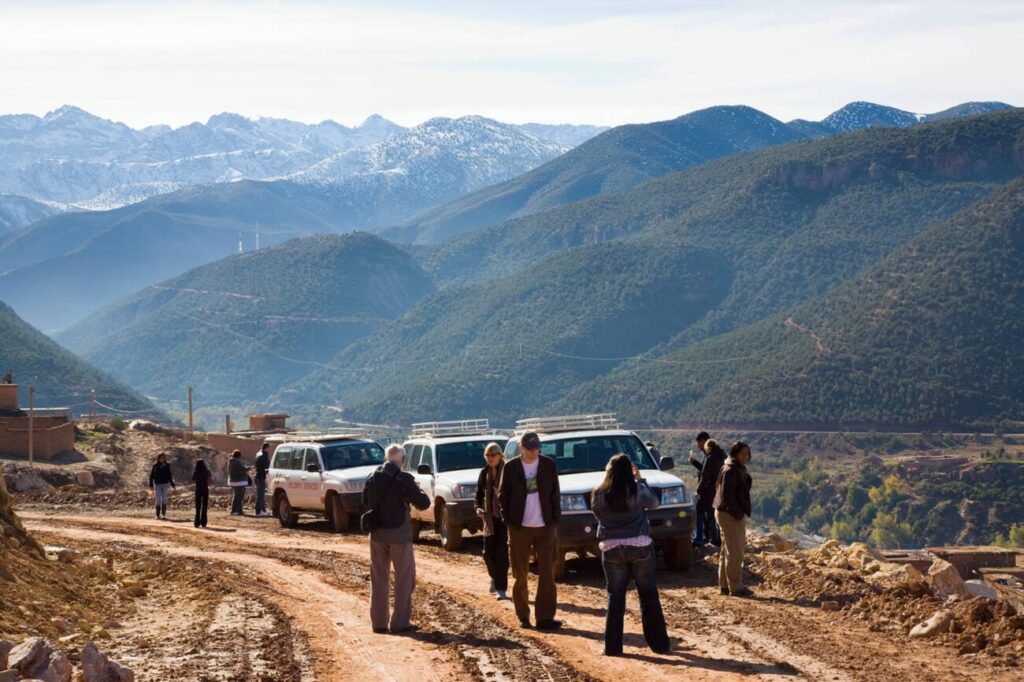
(148, 62)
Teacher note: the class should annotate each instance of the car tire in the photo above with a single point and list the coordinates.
(678, 554)
(417, 528)
(451, 534)
(287, 516)
(339, 517)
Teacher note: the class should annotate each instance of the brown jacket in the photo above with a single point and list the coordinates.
(512, 491)
(732, 491)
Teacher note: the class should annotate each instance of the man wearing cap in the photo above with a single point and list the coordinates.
(530, 503)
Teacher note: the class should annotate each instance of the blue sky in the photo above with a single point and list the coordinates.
(600, 61)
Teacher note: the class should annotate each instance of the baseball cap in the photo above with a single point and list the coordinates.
(530, 441)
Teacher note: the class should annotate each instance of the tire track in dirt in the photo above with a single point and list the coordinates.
(578, 644)
(335, 621)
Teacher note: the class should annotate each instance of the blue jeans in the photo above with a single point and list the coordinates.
(261, 495)
(707, 528)
(620, 564)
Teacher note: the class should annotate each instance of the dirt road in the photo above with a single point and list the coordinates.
(319, 581)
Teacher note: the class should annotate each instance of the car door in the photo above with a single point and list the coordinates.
(314, 482)
(280, 469)
(297, 479)
(426, 481)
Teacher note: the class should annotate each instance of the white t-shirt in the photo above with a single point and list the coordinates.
(533, 517)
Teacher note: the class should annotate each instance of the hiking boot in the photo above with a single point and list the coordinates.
(525, 624)
(724, 590)
(408, 628)
(745, 592)
(380, 631)
(549, 624)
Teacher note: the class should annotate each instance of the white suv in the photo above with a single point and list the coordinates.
(322, 475)
(446, 459)
(581, 446)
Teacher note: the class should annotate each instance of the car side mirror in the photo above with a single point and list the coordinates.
(424, 470)
(666, 464)
(313, 468)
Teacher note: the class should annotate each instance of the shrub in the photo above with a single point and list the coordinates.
(118, 424)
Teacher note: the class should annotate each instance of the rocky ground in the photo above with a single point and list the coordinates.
(244, 599)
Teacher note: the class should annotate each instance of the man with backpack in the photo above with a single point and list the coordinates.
(387, 495)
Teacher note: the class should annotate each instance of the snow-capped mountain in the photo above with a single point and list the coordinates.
(860, 115)
(17, 212)
(71, 156)
(460, 155)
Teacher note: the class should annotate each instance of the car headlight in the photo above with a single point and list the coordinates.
(464, 491)
(675, 495)
(574, 502)
(353, 486)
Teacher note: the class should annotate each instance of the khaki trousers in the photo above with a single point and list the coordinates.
(543, 542)
(382, 556)
(730, 559)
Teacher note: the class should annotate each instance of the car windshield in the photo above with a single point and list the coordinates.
(578, 455)
(345, 455)
(465, 455)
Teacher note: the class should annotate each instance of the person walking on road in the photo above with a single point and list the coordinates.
(530, 503)
(238, 479)
(732, 507)
(708, 468)
(388, 493)
(203, 478)
(161, 480)
(262, 466)
(620, 504)
(495, 530)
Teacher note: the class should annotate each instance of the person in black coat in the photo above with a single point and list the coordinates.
(388, 492)
(203, 478)
(707, 475)
(495, 530)
(161, 480)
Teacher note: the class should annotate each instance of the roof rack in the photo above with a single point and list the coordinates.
(317, 436)
(462, 427)
(574, 422)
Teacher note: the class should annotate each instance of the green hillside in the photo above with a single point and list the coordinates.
(617, 159)
(60, 378)
(929, 338)
(239, 328)
(780, 226)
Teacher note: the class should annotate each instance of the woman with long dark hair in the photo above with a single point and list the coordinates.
(161, 480)
(620, 504)
(732, 508)
(203, 478)
(495, 530)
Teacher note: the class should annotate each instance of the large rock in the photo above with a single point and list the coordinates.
(940, 622)
(97, 668)
(31, 658)
(85, 478)
(58, 670)
(945, 580)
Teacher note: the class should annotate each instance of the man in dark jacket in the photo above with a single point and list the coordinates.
(732, 508)
(530, 503)
(707, 475)
(262, 466)
(389, 491)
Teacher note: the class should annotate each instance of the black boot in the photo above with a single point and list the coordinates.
(158, 511)
(163, 511)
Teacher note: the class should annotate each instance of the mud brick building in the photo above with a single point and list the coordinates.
(53, 432)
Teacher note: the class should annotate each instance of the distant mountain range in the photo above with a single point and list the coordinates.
(73, 157)
(629, 155)
(60, 378)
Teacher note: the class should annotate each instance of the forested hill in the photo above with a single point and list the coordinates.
(776, 227)
(929, 338)
(240, 328)
(60, 378)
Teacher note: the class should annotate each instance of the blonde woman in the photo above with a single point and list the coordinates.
(495, 530)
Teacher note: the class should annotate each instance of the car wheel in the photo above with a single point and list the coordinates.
(285, 514)
(417, 528)
(678, 554)
(451, 534)
(339, 517)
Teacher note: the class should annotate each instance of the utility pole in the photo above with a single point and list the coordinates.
(31, 424)
(227, 424)
(92, 402)
(190, 412)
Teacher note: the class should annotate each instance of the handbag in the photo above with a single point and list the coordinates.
(368, 520)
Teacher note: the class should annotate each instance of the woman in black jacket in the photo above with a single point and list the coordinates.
(620, 504)
(732, 508)
(495, 530)
(161, 481)
(203, 478)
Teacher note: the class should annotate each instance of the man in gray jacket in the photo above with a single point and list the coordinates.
(389, 491)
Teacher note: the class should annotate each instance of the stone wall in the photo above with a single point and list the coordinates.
(52, 436)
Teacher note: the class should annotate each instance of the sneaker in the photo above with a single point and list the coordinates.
(500, 595)
(380, 631)
(525, 624)
(745, 592)
(550, 624)
(263, 514)
(408, 628)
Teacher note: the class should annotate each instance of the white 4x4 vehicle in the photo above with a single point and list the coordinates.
(322, 475)
(581, 446)
(446, 459)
